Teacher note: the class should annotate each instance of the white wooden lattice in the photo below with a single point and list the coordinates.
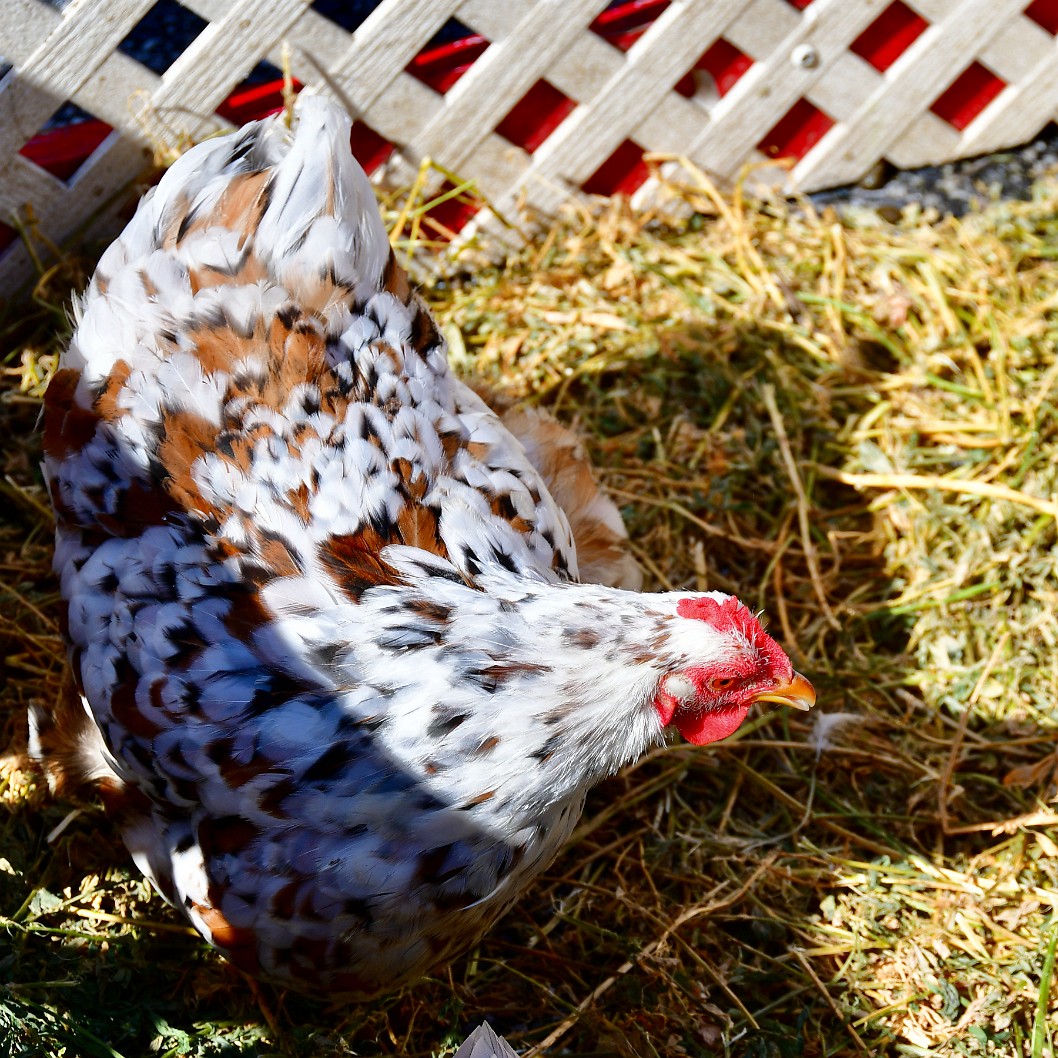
(837, 84)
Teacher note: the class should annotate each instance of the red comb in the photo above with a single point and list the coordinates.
(727, 616)
(733, 616)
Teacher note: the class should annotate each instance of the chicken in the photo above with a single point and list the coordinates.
(335, 676)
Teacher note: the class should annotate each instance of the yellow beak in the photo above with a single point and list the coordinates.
(798, 694)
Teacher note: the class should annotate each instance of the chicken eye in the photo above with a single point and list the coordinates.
(722, 684)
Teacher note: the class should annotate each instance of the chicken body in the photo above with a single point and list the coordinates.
(336, 679)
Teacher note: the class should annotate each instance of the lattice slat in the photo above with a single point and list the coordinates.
(384, 45)
(502, 76)
(888, 117)
(1013, 118)
(562, 95)
(230, 46)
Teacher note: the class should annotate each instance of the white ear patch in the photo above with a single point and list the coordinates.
(680, 687)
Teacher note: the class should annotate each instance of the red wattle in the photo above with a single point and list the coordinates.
(700, 728)
(665, 704)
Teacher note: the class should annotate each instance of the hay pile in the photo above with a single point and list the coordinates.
(854, 426)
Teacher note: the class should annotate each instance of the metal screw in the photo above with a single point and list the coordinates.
(805, 56)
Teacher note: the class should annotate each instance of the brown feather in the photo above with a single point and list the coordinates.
(417, 526)
(395, 279)
(63, 729)
(603, 556)
(186, 437)
(221, 348)
(354, 558)
(68, 427)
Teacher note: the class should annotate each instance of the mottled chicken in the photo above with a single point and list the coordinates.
(339, 676)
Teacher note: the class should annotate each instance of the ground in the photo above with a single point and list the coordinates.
(853, 425)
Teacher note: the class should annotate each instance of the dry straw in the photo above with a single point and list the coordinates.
(853, 424)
